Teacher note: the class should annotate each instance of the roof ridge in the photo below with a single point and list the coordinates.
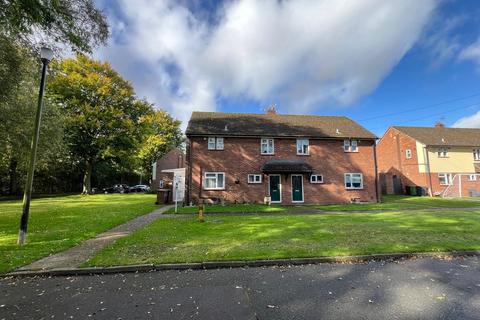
(275, 115)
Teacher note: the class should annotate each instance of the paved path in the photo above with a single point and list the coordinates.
(410, 289)
(75, 256)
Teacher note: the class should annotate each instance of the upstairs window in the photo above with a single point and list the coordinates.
(408, 154)
(445, 179)
(303, 147)
(254, 178)
(215, 143)
(442, 152)
(316, 178)
(267, 146)
(472, 177)
(353, 181)
(476, 154)
(214, 181)
(350, 145)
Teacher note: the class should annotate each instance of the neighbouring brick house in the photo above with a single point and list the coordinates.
(173, 159)
(292, 159)
(442, 160)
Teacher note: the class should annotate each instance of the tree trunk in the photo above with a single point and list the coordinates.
(87, 179)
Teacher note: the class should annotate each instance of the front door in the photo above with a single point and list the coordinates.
(297, 188)
(275, 188)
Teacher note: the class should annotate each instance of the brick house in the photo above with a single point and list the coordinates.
(435, 158)
(292, 159)
(173, 159)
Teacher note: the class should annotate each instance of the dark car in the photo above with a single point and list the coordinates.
(140, 188)
(118, 188)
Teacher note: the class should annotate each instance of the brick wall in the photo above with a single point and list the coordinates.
(241, 156)
(392, 161)
(175, 158)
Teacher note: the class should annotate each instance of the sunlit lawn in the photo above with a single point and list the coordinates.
(60, 222)
(286, 236)
(394, 203)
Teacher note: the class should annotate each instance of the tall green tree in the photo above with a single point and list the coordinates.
(102, 113)
(18, 96)
(161, 133)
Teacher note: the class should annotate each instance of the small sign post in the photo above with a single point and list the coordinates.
(176, 194)
(201, 210)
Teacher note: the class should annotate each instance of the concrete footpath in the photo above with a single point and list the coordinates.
(407, 289)
(75, 256)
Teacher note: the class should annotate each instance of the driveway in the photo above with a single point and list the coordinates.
(411, 289)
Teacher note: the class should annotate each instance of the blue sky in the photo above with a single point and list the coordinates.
(373, 60)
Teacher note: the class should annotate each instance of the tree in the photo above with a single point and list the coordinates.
(76, 23)
(18, 94)
(102, 114)
(161, 133)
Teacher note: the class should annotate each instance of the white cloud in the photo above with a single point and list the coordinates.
(472, 121)
(298, 54)
(472, 52)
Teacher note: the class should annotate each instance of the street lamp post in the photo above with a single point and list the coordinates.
(46, 55)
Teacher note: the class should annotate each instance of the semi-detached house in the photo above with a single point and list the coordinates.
(289, 159)
(443, 161)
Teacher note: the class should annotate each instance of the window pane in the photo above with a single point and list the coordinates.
(219, 143)
(210, 183)
(476, 154)
(220, 180)
(348, 181)
(211, 143)
(346, 145)
(353, 145)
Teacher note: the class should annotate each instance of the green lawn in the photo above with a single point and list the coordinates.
(58, 223)
(270, 237)
(393, 203)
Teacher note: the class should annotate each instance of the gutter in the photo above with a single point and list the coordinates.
(376, 171)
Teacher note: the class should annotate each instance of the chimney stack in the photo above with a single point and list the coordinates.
(271, 110)
(439, 125)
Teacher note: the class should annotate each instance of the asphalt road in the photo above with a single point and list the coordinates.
(412, 289)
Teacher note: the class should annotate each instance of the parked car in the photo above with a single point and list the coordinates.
(140, 188)
(117, 188)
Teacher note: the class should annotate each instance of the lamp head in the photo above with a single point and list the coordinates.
(46, 54)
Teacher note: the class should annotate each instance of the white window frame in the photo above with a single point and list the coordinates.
(476, 154)
(213, 175)
(350, 145)
(215, 143)
(442, 152)
(408, 153)
(351, 175)
(448, 177)
(472, 177)
(161, 184)
(266, 142)
(254, 178)
(301, 143)
(314, 178)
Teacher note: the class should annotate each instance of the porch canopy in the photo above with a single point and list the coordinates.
(286, 166)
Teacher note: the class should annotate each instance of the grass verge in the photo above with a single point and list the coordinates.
(392, 203)
(273, 237)
(58, 223)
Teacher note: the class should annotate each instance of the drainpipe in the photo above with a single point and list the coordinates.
(430, 192)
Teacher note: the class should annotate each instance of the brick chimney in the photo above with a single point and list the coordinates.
(271, 110)
(439, 125)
